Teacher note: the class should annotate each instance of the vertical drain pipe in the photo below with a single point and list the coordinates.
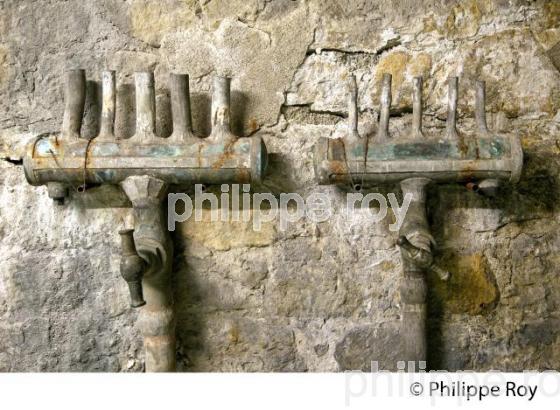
(414, 237)
(157, 319)
(416, 244)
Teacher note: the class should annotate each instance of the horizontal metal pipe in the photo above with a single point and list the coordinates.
(175, 175)
(75, 98)
(396, 171)
(111, 162)
(484, 158)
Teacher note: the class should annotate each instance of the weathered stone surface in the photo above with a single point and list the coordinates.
(381, 344)
(311, 297)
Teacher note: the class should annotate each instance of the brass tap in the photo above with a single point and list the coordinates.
(132, 268)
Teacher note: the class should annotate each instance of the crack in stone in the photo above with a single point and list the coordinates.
(390, 45)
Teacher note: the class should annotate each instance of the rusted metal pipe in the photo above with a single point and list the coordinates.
(219, 159)
(384, 110)
(445, 159)
(75, 97)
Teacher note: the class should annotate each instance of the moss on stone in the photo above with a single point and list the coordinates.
(471, 289)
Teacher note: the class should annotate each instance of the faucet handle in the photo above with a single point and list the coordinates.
(132, 268)
(442, 273)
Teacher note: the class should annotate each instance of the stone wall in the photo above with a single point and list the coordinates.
(315, 297)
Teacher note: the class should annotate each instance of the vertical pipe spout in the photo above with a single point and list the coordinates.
(145, 107)
(452, 97)
(383, 131)
(180, 108)
(221, 114)
(353, 109)
(75, 97)
(417, 107)
(108, 106)
(480, 108)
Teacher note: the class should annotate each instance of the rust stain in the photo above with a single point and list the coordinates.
(463, 146)
(199, 157)
(253, 125)
(225, 156)
(87, 157)
(338, 167)
(467, 173)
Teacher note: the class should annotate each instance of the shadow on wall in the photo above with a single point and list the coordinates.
(473, 289)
